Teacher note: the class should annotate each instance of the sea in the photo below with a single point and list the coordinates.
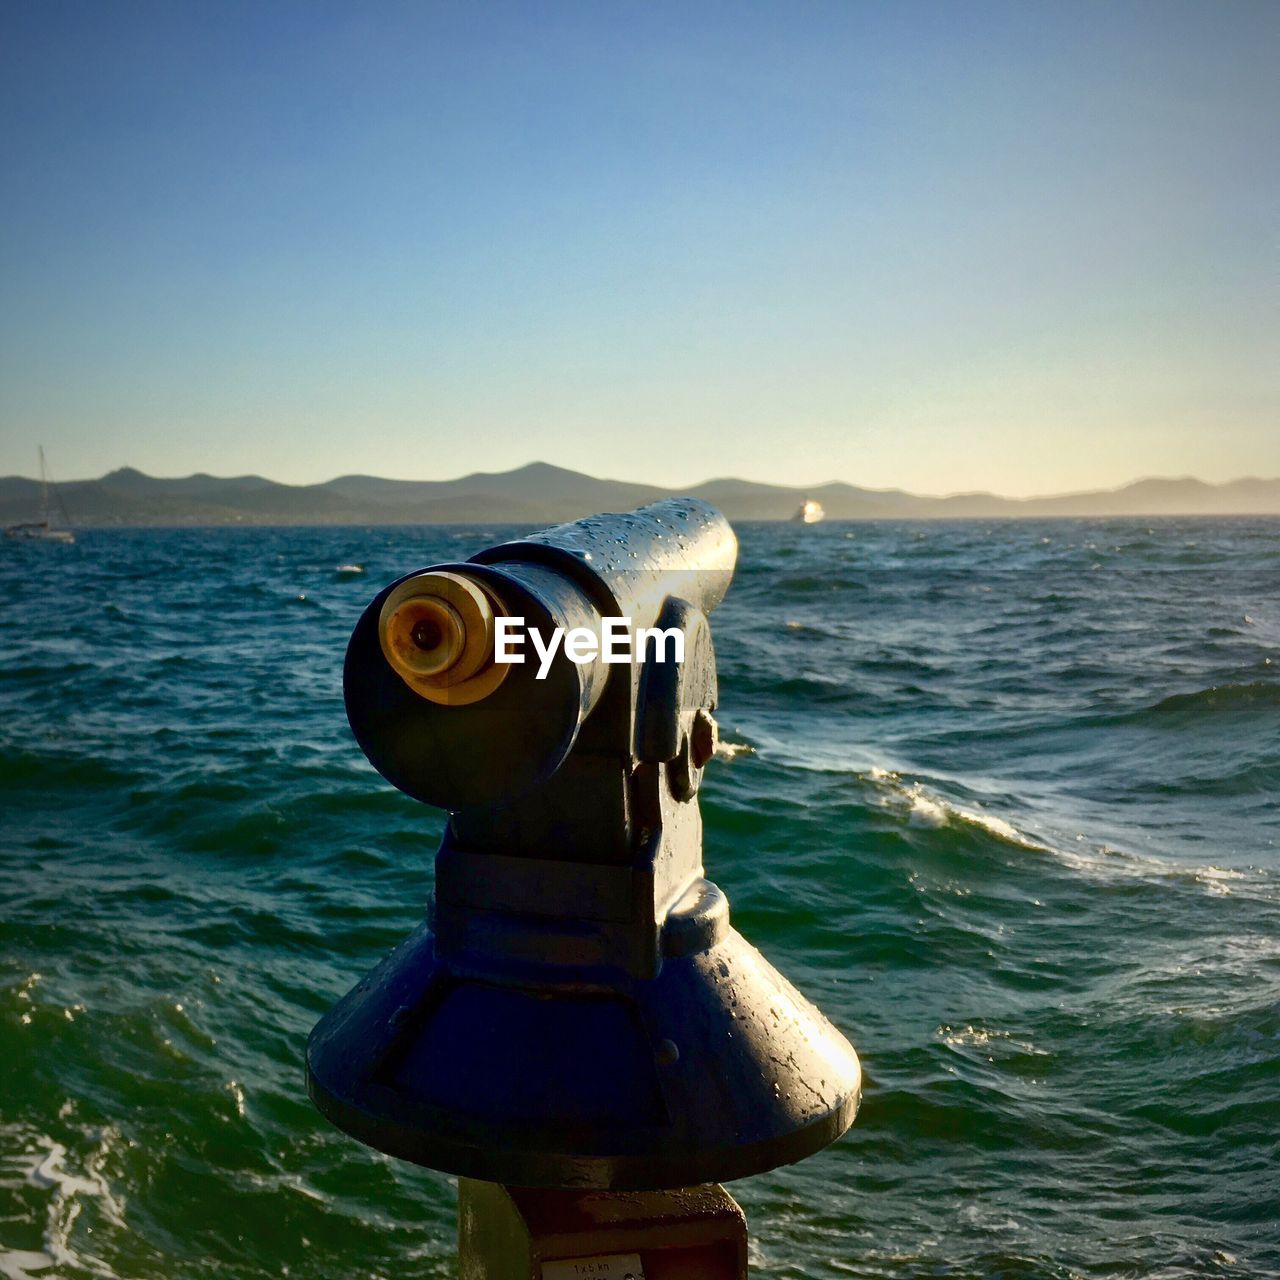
(1001, 797)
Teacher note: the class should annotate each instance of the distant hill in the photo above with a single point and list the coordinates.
(542, 494)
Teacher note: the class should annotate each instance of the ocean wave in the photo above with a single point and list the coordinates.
(63, 1183)
(1106, 862)
(1216, 702)
(40, 672)
(923, 804)
(920, 803)
(927, 809)
(21, 767)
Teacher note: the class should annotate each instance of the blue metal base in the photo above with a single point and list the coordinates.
(715, 1069)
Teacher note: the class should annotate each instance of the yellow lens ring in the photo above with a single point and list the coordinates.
(436, 630)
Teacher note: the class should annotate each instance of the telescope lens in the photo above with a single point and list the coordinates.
(427, 635)
(436, 631)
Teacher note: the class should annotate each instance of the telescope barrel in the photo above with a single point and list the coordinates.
(444, 721)
(631, 563)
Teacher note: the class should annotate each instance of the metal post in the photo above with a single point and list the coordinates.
(519, 1233)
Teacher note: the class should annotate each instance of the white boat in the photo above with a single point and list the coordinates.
(809, 512)
(42, 530)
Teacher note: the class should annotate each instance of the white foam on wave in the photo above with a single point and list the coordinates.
(23, 1264)
(1105, 862)
(1100, 861)
(922, 806)
(984, 1038)
(32, 1159)
(285, 1181)
(925, 808)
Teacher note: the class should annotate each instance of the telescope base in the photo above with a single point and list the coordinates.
(524, 1233)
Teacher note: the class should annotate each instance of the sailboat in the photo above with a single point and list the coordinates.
(42, 530)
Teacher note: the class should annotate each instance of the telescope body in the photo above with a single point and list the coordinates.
(576, 1010)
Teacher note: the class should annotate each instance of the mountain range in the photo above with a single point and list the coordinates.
(541, 494)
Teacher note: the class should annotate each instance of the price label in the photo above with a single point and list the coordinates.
(614, 1266)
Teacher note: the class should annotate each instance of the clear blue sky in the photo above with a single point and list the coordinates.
(1019, 246)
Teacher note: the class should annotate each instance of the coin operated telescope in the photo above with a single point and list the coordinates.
(576, 1018)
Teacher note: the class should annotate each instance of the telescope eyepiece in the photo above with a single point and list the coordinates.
(436, 630)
